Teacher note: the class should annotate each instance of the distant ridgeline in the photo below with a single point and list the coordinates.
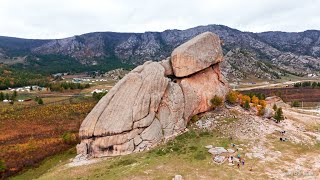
(267, 55)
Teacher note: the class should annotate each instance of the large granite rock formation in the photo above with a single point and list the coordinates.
(155, 100)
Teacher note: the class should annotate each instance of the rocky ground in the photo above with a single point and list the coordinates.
(296, 157)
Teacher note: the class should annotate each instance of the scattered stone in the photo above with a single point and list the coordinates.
(230, 150)
(177, 177)
(209, 146)
(219, 159)
(217, 150)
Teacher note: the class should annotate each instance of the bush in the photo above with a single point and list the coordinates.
(216, 101)
(195, 118)
(246, 105)
(261, 96)
(40, 101)
(255, 100)
(278, 115)
(244, 99)
(2, 166)
(260, 110)
(69, 138)
(295, 104)
(98, 96)
(314, 84)
(306, 84)
(262, 103)
(275, 107)
(232, 97)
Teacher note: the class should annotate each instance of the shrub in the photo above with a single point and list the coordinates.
(275, 107)
(260, 110)
(194, 118)
(262, 103)
(2, 166)
(244, 99)
(40, 101)
(306, 84)
(255, 100)
(278, 115)
(98, 96)
(246, 105)
(69, 138)
(261, 96)
(295, 104)
(314, 84)
(231, 97)
(297, 84)
(216, 101)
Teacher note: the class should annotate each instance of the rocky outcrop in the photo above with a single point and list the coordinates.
(155, 100)
(189, 57)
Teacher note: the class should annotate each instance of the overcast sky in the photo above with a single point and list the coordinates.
(64, 18)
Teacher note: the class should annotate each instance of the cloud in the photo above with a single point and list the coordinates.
(63, 18)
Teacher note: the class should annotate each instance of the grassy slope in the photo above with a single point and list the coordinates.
(186, 155)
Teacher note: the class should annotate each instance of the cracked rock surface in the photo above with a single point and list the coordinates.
(155, 100)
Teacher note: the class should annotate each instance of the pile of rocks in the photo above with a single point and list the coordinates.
(220, 154)
(155, 100)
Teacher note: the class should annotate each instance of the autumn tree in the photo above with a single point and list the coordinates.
(232, 97)
(255, 100)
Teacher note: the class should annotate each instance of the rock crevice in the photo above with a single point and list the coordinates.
(155, 101)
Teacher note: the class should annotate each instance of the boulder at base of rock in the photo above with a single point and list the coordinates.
(197, 54)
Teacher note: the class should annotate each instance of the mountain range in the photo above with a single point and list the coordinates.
(266, 55)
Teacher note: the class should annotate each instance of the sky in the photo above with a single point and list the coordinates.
(47, 19)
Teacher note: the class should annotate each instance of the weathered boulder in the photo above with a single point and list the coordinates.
(196, 54)
(151, 103)
(199, 88)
